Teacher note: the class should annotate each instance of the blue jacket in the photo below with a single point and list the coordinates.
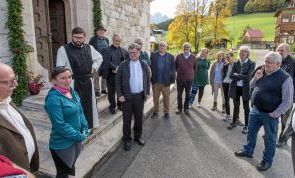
(67, 119)
(169, 75)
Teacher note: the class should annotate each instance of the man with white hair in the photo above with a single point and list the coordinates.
(288, 64)
(239, 87)
(272, 96)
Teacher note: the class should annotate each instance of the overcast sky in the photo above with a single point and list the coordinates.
(165, 7)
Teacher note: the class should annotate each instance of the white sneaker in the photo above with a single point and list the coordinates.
(190, 106)
(199, 105)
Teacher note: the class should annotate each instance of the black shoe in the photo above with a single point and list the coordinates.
(239, 123)
(166, 116)
(97, 93)
(186, 112)
(263, 166)
(120, 108)
(139, 141)
(281, 144)
(178, 111)
(245, 130)
(231, 126)
(154, 115)
(104, 92)
(113, 110)
(127, 145)
(242, 154)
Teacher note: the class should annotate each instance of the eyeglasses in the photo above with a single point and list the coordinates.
(79, 37)
(10, 82)
(133, 52)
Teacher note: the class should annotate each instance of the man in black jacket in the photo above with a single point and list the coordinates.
(112, 57)
(239, 87)
(163, 74)
(288, 64)
(133, 87)
(99, 42)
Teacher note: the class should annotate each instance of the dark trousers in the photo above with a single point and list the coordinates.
(201, 93)
(293, 151)
(62, 170)
(285, 135)
(84, 89)
(183, 85)
(225, 87)
(133, 106)
(237, 106)
(112, 92)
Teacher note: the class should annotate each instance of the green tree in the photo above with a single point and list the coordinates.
(97, 17)
(233, 6)
(217, 27)
(250, 7)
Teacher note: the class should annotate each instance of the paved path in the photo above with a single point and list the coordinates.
(260, 53)
(195, 146)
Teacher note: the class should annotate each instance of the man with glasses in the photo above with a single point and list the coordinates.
(112, 57)
(83, 60)
(239, 87)
(185, 66)
(288, 64)
(272, 96)
(163, 74)
(17, 137)
(133, 87)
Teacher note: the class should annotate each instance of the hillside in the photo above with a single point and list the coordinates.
(263, 21)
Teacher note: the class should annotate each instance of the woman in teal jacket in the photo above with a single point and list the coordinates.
(69, 126)
(200, 78)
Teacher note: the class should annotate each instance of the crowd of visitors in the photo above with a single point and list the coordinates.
(85, 71)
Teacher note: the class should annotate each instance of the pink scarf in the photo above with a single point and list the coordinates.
(61, 89)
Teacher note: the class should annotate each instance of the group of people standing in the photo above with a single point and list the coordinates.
(270, 88)
(126, 76)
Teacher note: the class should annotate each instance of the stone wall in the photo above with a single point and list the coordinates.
(5, 54)
(129, 18)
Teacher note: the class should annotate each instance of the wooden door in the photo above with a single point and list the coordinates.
(58, 26)
(42, 33)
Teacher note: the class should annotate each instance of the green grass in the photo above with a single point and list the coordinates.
(263, 21)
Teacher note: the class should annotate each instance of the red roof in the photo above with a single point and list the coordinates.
(255, 33)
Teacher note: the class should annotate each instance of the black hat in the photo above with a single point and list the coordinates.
(100, 28)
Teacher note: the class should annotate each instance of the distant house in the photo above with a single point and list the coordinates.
(222, 44)
(285, 26)
(253, 36)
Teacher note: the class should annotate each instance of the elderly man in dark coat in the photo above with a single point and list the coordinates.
(288, 64)
(133, 87)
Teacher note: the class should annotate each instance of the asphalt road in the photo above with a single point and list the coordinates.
(195, 146)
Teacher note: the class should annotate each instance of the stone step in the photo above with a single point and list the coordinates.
(36, 102)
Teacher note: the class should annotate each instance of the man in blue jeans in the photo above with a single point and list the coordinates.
(272, 96)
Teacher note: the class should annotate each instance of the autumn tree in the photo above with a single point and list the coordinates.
(190, 21)
(219, 10)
